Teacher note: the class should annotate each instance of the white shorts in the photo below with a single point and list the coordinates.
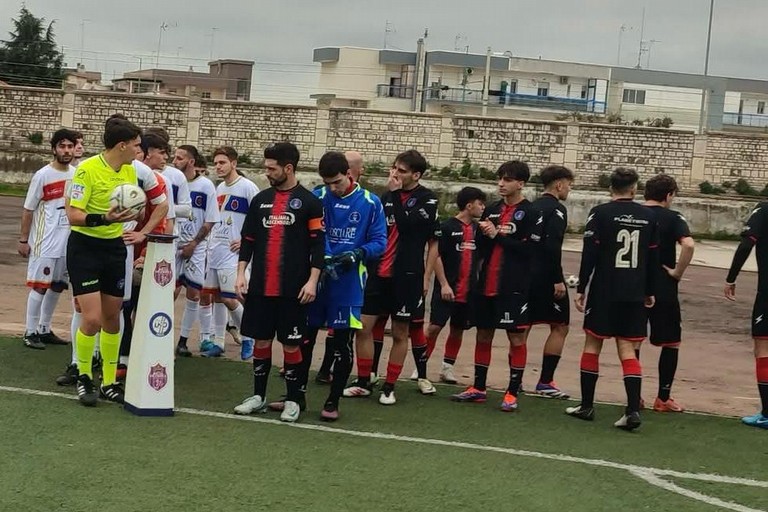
(221, 281)
(128, 288)
(191, 272)
(42, 272)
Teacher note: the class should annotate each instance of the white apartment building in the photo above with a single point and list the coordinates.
(436, 81)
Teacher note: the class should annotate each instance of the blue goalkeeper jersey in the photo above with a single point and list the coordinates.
(355, 221)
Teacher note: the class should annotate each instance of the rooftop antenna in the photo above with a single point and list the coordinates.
(388, 29)
(641, 49)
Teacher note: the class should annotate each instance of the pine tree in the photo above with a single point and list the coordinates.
(30, 56)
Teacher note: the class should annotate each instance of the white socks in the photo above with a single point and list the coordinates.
(205, 321)
(34, 304)
(220, 317)
(190, 315)
(48, 306)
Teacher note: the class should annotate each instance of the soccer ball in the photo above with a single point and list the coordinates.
(572, 281)
(128, 197)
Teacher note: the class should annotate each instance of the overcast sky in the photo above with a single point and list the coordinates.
(280, 34)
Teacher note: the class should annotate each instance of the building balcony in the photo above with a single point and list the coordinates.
(403, 92)
(750, 120)
(502, 99)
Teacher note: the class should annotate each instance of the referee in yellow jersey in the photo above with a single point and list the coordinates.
(96, 255)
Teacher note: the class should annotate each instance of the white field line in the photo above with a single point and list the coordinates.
(648, 474)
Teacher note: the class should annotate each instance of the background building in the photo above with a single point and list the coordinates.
(432, 81)
(226, 79)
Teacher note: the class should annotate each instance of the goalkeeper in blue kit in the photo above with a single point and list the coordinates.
(356, 232)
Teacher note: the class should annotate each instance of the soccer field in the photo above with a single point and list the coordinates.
(425, 453)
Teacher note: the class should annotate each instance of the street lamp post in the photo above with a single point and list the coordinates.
(704, 90)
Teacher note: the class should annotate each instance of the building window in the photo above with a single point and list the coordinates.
(206, 95)
(761, 107)
(543, 89)
(583, 92)
(636, 96)
(242, 88)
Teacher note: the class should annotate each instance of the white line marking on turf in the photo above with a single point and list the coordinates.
(653, 479)
(647, 474)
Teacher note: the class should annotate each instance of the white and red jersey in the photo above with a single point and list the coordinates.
(177, 185)
(233, 201)
(45, 198)
(203, 196)
(148, 182)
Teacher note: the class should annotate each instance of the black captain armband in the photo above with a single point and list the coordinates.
(93, 220)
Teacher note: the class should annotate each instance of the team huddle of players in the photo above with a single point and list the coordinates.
(286, 261)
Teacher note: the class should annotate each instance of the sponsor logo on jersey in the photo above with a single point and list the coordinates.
(510, 228)
(281, 219)
(466, 246)
(339, 234)
(341, 206)
(78, 191)
(631, 220)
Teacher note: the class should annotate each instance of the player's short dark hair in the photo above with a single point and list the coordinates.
(227, 151)
(191, 151)
(659, 187)
(159, 131)
(623, 179)
(119, 130)
(283, 153)
(200, 161)
(332, 164)
(113, 118)
(63, 134)
(469, 195)
(153, 140)
(515, 169)
(552, 173)
(78, 135)
(414, 160)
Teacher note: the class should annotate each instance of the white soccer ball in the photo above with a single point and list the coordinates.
(128, 197)
(572, 281)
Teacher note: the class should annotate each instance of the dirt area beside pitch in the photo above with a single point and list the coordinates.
(716, 372)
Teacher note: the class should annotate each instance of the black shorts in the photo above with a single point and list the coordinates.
(402, 297)
(760, 317)
(625, 320)
(267, 317)
(96, 264)
(441, 311)
(546, 309)
(665, 320)
(508, 312)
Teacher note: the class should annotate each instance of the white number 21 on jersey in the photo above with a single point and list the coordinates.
(626, 256)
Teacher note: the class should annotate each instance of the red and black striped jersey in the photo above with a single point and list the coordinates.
(508, 257)
(411, 222)
(283, 238)
(457, 248)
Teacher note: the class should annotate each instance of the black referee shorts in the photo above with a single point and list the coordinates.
(96, 264)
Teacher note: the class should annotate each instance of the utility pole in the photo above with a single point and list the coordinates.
(642, 33)
(213, 36)
(486, 81)
(650, 47)
(704, 90)
(82, 39)
(622, 29)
